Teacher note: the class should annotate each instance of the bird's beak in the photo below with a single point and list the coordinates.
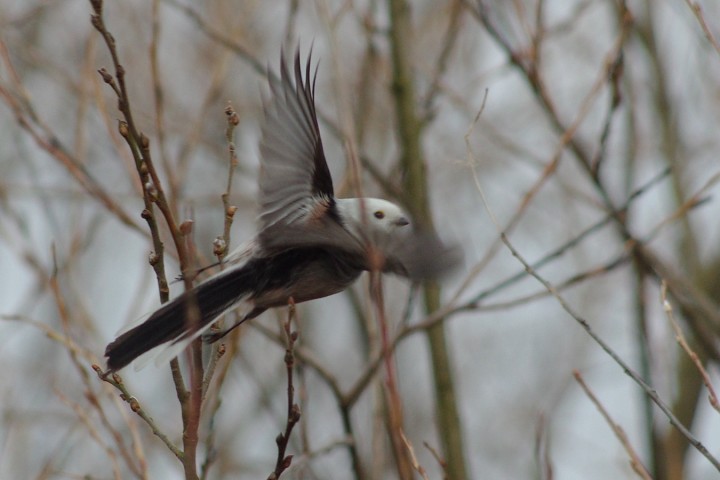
(402, 221)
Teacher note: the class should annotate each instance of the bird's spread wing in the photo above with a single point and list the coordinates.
(295, 182)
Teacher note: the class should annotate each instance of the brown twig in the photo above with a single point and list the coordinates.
(700, 16)
(219, 37)
(77, 352)
(293, 409)
(413, 458)
(82, 415)
(116, 381)
(345, 402)
(449, 41)
(635, 461)
(393, 401)
(542, 450)
(192, 407)
(220, 246)
(154, 196)
(441, 461)
(680, 338)
(137, 468)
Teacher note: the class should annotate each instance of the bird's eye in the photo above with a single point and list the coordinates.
(379, 214)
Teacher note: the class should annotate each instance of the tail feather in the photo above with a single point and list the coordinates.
(171, 322)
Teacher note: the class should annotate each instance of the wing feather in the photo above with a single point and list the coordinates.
(294, 180)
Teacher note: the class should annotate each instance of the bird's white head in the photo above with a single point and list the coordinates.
(372, 215)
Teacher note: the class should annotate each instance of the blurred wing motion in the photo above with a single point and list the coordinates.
(421, 256)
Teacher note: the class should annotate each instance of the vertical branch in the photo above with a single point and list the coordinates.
(692, 355)
(688, 381)
(393, 401)
(448, 44)
(416, 200)
(220, 246)
(193, 405)
(293, 409)
(159, 99)
(154, 196)
(652, 432)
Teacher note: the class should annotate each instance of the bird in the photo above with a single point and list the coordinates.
(310, 244)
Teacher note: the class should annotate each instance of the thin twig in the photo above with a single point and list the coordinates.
(220, 247)
(542, 450)
(345, 402)
(137, 469)
(116, 381)
(700, 16)
(392, 392)
(84, 418)
(413, 458)
(635, 461)
(607, 349)
(680, 338)
(441, 461)
(293, 409)
(448, 45)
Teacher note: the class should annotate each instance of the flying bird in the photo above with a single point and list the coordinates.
(310, 244)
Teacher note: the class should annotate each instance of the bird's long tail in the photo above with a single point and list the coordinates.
(175, 320)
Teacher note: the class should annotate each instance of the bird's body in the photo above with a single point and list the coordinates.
(310, 243)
